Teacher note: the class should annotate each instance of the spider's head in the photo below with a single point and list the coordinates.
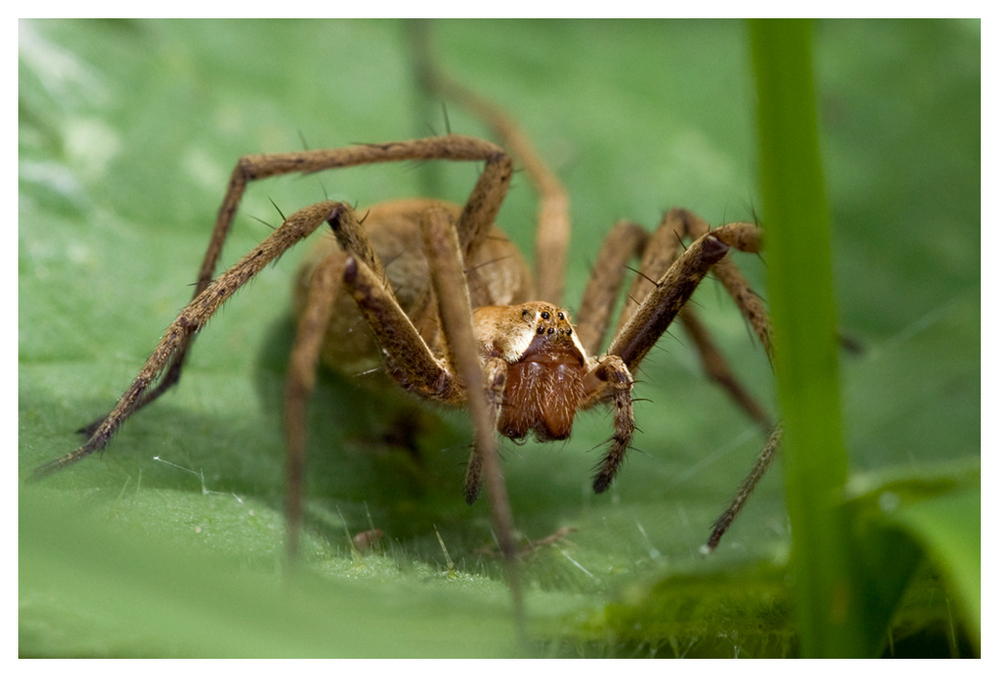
(516, 332)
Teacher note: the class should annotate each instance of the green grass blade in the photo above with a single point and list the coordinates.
(802, 301)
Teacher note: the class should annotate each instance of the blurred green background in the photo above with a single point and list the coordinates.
(171, 542)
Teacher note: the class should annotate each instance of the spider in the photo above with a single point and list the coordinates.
(438, 295)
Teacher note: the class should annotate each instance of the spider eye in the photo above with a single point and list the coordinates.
(561, 316)
(545, 315)
(525, 312)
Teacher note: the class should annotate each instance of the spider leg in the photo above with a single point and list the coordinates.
(625, 241)
(454, 379)
(249, 168)
(193, 317)
(611, 377)
(448, 279)
(663, 248)
(409, 361)
(718, 370)
(664, 301)
(746, 487)
(617, 386)
(552, 235)
(495, 379)
(325, 281)
(746, 238)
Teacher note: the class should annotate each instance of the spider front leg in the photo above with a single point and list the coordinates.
(657, 252)
(190, 321)
(663, 248)
(666, 300)
(611, 378)
(651, 319)
(448, 278)
(410, 361)
(356, 268)
(455, 378)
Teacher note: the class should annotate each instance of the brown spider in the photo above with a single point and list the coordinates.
(445, 301)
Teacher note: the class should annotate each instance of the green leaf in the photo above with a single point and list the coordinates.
(127, 134)
(949, 528)
(909, 519)
(122, 594)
